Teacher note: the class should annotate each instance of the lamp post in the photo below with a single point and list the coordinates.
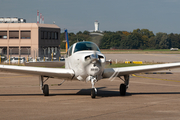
(0, 55)
(28, 54)
(19, 55)
(1, 49)
(44, 52)
(59, 50)
(10, 55)
(35, 54)
(52, 53)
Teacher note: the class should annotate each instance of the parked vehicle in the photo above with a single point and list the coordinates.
(62, 59)
(34, 60)
(16, 60)
(3, 58)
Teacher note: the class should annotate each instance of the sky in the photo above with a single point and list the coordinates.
(113, 15)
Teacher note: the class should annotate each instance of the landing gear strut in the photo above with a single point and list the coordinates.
(44, 88)
(93, 90)
(123, 87)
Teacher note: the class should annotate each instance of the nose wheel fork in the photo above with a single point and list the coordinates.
(93, 90)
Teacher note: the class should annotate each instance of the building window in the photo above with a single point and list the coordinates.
(25, 51)
(13, 51)
(45, 51)
(56, 35)
(3, 34)
(52, 35)
(49, 50)
(3, 50)
(13, 34)
(55, 49)
(45, 35)
(25, 34)
(42, 35)
(49, 35)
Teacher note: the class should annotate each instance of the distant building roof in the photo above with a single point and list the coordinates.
(26, 25)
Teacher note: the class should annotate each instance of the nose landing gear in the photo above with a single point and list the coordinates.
(93, 90)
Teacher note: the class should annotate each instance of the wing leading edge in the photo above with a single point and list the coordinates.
(116, 72)
(51, 72)
(46, 64)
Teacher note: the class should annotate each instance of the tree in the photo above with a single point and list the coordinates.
(138, 39)
(164, 43)
(157, 39)
(125, 33)
(86, 32)
(152, 43)
(147, 33)
(174, 40)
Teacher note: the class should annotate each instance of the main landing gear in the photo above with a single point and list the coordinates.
(123, 87)
(44, 88)
(93, 90)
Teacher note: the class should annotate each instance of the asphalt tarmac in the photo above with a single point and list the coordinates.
(154, 58)
(149, 97)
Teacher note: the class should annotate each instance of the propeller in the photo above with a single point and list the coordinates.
(89, 59)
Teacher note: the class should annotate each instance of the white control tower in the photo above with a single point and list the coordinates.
(96, 24)
(96, 31)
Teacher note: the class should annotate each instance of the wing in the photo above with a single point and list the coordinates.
(46, 64)
(51, 72)
(116, 72)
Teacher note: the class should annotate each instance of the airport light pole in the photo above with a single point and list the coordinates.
(28, 54)
(59, 50)
(19, 55)
(1, 55)
(44, 52)
(52, 53)
(1, 49)
(10, 55)
(36, 54)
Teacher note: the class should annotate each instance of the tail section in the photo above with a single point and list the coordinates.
(67, 40)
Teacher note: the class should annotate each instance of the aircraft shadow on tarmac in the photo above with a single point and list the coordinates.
(105, 93)
(101, 93)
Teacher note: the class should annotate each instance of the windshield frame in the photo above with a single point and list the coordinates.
(88, 46)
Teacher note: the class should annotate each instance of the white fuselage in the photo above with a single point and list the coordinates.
(85, 64)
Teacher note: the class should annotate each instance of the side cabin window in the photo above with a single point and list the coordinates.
(70, 51)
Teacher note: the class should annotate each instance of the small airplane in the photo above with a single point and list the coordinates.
(85, 62)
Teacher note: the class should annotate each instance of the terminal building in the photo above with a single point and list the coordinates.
(30, 39)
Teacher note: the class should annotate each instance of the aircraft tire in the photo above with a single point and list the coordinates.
(93, 93)
(122, 89)
(46, 90)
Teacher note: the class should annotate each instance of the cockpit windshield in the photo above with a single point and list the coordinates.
(81, 46)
